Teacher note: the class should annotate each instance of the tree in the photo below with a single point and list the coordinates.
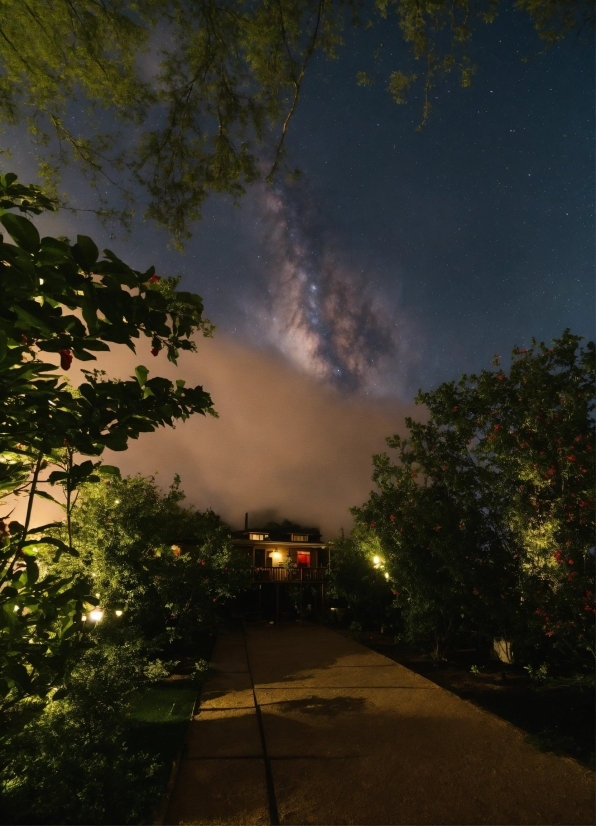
(166, 569)
(359, 584)
(437, 526)
(61, 299)
(491, 503)
(209, 109)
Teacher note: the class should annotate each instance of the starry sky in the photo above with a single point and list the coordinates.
(398, 260)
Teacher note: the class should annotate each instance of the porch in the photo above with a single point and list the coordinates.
(281, 574)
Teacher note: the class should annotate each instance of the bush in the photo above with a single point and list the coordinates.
(361, 590)
(70, 761)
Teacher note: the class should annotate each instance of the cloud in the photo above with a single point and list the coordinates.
(327, 319)
(283, 446)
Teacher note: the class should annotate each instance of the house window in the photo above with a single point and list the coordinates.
(303, 559)
(299, 537)
(259, 557)
(258, 537)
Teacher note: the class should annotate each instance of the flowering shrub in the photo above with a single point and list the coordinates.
(487, 518)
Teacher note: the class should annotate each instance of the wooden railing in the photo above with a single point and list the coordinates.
(289, 574)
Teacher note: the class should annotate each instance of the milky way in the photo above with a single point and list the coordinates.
(326, 318)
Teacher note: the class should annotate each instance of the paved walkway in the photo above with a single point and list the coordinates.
(299, 725)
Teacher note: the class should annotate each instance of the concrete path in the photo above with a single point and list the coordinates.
(299, 725)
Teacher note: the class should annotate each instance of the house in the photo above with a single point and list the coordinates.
(289, 566)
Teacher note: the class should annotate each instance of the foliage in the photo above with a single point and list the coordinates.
(169, 569)
(439, 32)
(486, 521)
(208, 109)
(62, 300)
(357, 584)
(199, 102)
(71, 762)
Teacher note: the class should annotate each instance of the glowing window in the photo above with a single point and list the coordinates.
(299, 537)
(259, 537)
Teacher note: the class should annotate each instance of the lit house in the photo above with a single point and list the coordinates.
(283, 559)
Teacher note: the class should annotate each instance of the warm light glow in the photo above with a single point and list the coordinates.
(116, 501)
(377, 560)
(276, 555)
(16, 608)
(96, 615)
(84, 618)
(386, 576)
(118, 613)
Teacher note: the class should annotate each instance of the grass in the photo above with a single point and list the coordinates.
(159, 717)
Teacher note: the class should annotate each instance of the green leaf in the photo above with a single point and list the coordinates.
(3, 345)
(85, 252)
(51, 540)
(44, 495)
(141, 373)
(46, 527)
(22, 231)
(109, 470)
(32, 570)
(115, 441)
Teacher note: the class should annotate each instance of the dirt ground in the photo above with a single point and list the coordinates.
(558, 718)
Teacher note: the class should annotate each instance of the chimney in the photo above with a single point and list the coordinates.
(245, 521)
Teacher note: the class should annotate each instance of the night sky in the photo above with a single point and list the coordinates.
(399, 260)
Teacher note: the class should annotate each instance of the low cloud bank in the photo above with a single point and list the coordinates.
(284, 445)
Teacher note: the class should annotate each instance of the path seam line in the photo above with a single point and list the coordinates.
(271, 798)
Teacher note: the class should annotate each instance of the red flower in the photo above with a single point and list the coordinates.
(437, 528)
(154, 351)
(154, 279)
(392, 518)
(455, 409)
(373, 524)
(65, 359)
(570, 561)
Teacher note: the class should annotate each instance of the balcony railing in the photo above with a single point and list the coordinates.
(289, 574)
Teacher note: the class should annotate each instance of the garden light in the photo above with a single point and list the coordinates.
(386, 575)
(377, 561)
(118, 613)
(96, 615)
(84, 618)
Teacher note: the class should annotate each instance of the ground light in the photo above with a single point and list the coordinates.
(118, 613)
(96, 615)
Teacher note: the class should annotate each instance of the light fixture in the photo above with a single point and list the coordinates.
(84, 618)
(386, 575)
(118, 613)
(377, 560)
(96, 615)
(116, 501)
